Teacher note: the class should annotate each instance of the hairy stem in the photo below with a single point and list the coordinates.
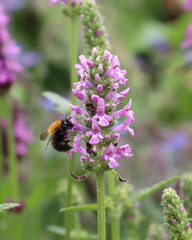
(115, 222)
(101, 219)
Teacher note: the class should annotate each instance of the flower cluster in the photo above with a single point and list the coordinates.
(71, 7)
(176, 216)
(94, 30)
(9, 66)
(98, 88)
(187, 5)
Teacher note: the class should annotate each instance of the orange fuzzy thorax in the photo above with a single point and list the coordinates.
(55, 125)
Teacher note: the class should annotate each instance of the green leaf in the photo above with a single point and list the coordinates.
(81, 207)
(60, 103)
(56, 229)
(149, 190)
(6, 206)
(59, 230)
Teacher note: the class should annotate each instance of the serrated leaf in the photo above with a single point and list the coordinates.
(6, 206)
(149, 190)
(60, 104)
(79, 208)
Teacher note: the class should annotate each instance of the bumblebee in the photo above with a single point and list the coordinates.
(59, 132)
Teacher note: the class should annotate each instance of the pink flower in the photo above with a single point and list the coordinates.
(103, 118)
(124, 150)
(125, 126)
(188, 39)
(111, 156)
(95, 134)
(187, 5)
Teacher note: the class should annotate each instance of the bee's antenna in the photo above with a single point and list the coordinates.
(47, 143)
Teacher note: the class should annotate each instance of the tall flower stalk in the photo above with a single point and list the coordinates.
(71, 8)
(96, 123)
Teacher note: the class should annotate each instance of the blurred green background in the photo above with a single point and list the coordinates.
(146, 35)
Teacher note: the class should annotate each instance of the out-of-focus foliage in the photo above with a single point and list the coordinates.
(147, 35)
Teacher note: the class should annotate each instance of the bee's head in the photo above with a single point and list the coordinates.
(67, 123)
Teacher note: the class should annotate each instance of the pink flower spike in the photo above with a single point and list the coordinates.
(103, 118)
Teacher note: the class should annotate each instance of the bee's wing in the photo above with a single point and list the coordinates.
(43, 135)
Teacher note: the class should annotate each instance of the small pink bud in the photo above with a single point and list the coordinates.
(94, 19)
(100, 67)
(94, 50)
(188, 225)
(90, 64)
(84, 159)
(174, 221)
(182, 209)
(85, 28)
(95, 98)
(115, 135)
(99, 88)
(107, 137)
(97, 77)
(98, 32)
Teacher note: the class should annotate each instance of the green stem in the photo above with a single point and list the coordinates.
(73, 58)
(13, 166)
(73, 54)
(12, 151)
(115, 221)
(101, 221)
(67, 215)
